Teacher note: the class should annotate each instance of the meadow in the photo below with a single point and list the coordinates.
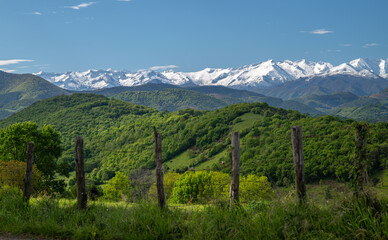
(329, 213)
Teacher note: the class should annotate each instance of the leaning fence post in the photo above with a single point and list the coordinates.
(297, 151)
(360, 175)
(234, 185)
(159, 169)
(28, 179)
(82, 197)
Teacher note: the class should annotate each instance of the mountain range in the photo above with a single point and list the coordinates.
(261, 75)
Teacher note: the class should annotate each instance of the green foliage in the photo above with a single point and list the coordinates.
(119, 137)
(13, 142)
(200, 186)
(118, 188)
(13, 172)
(169, 180)
(255, 188)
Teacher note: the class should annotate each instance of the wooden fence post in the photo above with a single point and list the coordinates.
(360, 175)
(82, 197)
(159, 169)
(28, 179)
(297, 151)
(234, 185)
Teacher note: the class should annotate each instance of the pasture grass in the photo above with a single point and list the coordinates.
(282, 218)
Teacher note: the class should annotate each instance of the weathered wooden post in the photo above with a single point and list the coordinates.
(82, 197)
(234, 185)
(159, 169)
(360, 175)
(297, 151)
(28, 179)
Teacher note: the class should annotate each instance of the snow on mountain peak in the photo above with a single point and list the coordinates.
(259, 75)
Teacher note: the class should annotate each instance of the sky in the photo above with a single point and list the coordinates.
(186, 35)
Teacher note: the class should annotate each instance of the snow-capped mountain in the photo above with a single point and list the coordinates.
(260, 75)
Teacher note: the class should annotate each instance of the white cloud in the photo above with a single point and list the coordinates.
(371, 45)
(82, 5)
(7, 70)
(155, 68)
(13, 61)
(335, 50)
(34, 13)
(320, 31)
(124, 0)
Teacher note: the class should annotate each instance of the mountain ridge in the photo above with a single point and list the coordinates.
(260, 75)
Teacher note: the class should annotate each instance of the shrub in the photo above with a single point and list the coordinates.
(13, 172)
(118, 188)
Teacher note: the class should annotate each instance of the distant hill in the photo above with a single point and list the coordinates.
(372, 108)
(225, 91)
(374, 112)
(109, 92)
(172, 99)
(382, 95)
(18, 91)
(327, 102)
(326, 85)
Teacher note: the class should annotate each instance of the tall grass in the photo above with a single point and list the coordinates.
(259, 220)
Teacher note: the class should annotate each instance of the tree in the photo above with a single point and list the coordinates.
(168, 181)
(13, 142)
(201, 186)
(118, 188)
(254, 188)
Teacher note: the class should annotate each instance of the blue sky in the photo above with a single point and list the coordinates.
(76, 35)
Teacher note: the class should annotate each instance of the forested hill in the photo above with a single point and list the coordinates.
(118, 136)
(167, 97)
(18, 91)
(172, 99)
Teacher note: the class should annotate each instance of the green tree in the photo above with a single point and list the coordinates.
(168, 181)
(118, 188)
(13, 142)
(201, 186)
(254, 188)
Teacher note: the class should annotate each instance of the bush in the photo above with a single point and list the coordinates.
(255, 188)
(201, 186)
(13, 172)
(118, 188)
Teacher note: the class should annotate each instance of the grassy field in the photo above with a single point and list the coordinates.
(214, 160)
(186, 159)
(329, 214)
(182, 160)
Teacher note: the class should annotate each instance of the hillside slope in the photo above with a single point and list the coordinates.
(172, 99)
(18, 91)
(119, 136)
(325, 85)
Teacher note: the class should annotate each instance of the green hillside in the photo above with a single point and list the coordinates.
(172, 99)
(326, 85)
(201, 98)
(18, 91)
(118, 136)
(327, 102)
(109, 92)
